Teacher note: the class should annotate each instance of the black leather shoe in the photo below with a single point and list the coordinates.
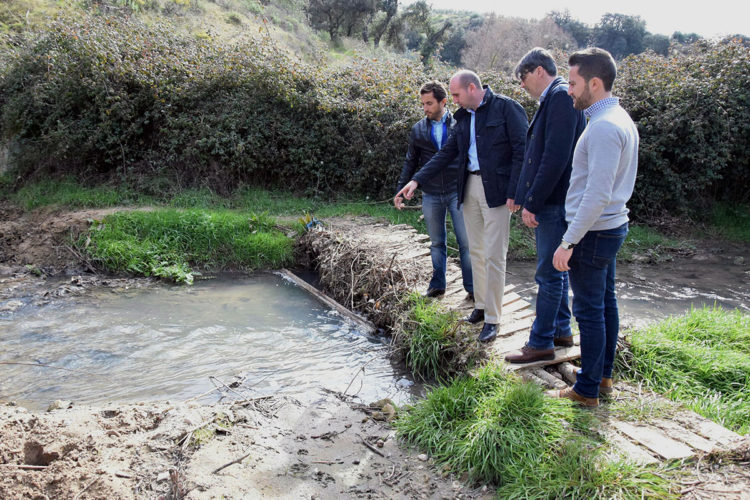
(434, 292)
(475, 317)
(489, 332)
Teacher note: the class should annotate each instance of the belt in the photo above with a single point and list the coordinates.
(475, 172)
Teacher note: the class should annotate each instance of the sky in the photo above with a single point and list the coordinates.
(710, 19)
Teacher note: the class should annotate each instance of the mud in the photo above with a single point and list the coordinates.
(268, 448)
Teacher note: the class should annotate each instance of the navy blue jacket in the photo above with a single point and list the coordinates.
(500, 128)
(421, 149)
(550, 142)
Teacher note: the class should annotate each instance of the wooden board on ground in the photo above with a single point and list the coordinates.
(655, 440)
(357, 319)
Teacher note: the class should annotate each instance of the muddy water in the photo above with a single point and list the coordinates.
(167, 342)
(648, 293)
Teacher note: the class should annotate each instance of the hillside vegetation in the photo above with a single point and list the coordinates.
(152, 102)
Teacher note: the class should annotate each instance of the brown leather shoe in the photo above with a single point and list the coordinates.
(572, 395)
(606, 387)
(529, 355)
(564, 341)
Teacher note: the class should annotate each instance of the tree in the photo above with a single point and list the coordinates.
(657, 43)
(338, 17)
(620, 34)
(573, 27)
(500, 42)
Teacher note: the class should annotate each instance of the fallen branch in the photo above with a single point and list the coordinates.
(24, 466)
(371, 447)
(236, 461)
(361, 369)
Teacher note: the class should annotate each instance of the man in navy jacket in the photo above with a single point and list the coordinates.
(488, 142)
(541, 191)
(439, 194)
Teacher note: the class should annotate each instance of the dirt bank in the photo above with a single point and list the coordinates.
(270, 447)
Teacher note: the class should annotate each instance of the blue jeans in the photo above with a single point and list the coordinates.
(434, 208)
(592, 278)
(552, 311)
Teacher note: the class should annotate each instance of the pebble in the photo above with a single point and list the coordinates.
(422, 457)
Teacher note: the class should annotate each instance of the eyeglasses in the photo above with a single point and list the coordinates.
(523, 77)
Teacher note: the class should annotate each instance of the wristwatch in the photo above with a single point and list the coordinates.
(566, 246)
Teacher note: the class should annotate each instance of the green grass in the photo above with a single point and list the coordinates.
(431, 337)
(68, 193)
(497, 430)
(701, 359)
(645, 243)
(732, 221)
(168, 242)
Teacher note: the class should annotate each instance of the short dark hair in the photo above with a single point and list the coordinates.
(437, 89)
(534, 58)
(595, 62)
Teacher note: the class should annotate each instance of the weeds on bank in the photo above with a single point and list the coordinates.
(732, 221)
(646, 244)
(432, 340)
(701, 359)
(167, 242)
(498, 430)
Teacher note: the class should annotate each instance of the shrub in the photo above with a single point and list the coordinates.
(694, 121)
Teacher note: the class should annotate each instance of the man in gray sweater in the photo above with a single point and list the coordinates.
(605, 162)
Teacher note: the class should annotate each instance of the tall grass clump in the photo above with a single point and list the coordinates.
(701, 359)
(498, 430)
(167, 243)
(432, 339)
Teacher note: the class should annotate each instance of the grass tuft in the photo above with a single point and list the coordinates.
(432, 338)
(701, 359)
(168, 242)
(496, 429)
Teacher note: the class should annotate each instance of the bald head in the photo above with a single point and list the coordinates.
(466, 89)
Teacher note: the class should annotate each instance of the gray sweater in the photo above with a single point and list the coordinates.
(605, 162)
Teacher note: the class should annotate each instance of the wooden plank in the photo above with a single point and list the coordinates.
(518, 305)
(680, 433)
(655, 440)
(516, 326)
(631, 450)
(510, 297)
(708, 429)
(368, 326)
(564, 354)
(568, 371)
(414, 254)
(549, 379)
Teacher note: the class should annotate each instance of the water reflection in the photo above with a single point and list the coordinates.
(648, 293)
(165, 343)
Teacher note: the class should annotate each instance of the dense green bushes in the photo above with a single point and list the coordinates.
(693, 115)
(111, 98)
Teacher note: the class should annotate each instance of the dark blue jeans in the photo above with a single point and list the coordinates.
(592, 278)
(552, 311)
(434, 208)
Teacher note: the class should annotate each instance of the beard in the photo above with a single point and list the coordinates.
(584, 100)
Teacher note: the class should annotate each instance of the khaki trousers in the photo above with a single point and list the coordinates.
(488, 230)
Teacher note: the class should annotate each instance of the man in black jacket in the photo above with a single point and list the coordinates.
(439, 193)
(488, 142)
(541, 191)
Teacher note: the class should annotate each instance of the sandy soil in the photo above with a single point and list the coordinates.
(329, 448)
